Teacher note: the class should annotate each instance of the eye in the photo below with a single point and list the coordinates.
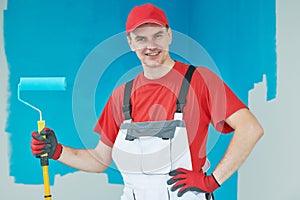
(139, 39)
(158, 35)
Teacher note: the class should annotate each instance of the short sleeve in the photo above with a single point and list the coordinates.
(109, 121)
(221, 100)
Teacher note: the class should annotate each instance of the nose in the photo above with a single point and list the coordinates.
(151, 44)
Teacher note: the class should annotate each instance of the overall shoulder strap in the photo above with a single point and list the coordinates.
(126, 104)
(181, 101)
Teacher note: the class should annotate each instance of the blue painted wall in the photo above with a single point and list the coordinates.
(59, 37)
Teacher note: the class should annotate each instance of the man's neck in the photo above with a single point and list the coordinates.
(159, 71)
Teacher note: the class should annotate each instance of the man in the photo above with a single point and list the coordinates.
(155, 127)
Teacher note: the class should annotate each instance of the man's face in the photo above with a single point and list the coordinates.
(151, 43)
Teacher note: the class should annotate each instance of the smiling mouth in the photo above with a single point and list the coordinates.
(153, 53)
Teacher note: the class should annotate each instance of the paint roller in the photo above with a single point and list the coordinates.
(42, 84)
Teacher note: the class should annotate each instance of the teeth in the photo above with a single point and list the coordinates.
(152, 54)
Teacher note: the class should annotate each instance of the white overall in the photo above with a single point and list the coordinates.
(146, 156)
(145, 152)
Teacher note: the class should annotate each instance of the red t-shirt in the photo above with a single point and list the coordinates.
(209, 100)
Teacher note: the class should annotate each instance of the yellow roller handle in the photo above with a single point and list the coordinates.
(41, 125)
(44, 164)
(47, 193)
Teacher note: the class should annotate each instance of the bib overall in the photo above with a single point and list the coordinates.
(145, 152)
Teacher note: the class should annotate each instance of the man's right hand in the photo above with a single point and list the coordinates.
(47, 145)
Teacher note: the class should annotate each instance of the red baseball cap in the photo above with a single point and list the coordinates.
(146, 13)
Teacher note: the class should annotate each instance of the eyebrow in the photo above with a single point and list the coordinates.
(157, 33)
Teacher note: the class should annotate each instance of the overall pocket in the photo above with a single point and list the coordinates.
(156, 155)
(151, 146)
(188, 196)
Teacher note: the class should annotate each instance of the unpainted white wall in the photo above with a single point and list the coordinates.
(272, 171)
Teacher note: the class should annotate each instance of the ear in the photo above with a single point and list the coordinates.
(170, 35)
(129, 40)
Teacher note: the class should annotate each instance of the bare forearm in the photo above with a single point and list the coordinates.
(83, 159)
(241, 145)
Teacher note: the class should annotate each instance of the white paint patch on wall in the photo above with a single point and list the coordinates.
(76, 186)
(3, 105)
(272, 170)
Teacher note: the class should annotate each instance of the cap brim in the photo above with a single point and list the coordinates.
(145, 22)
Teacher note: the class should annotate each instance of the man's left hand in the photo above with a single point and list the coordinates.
(186, 180)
